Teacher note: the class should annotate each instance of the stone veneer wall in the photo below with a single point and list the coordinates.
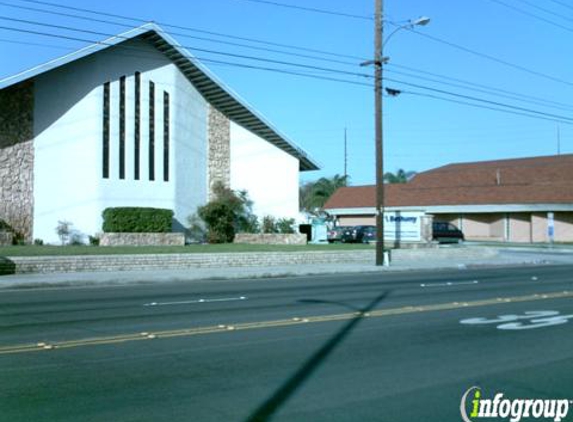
(189, 261)
(219, 163)
(17, 158)
(142, 239)
(270, 239)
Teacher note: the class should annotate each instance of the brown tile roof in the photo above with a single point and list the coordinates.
(519, 181)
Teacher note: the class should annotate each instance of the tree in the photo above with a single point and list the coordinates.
(313, 195)
(401, 176)
(228, 213)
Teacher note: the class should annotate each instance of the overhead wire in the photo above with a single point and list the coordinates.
(562, 3)
(546, 10)
(240, 56)
(203, 50)
(141, 21)
(491, 58)
(532, 15)
(534, 99)
(530, 112)
(312, 9)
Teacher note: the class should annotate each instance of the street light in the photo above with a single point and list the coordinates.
(378, 62)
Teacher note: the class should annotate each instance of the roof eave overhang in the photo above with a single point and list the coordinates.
(459, 209)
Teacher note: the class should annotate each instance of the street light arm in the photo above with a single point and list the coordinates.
(410, 25)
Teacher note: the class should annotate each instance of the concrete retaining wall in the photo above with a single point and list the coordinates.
(59, 264)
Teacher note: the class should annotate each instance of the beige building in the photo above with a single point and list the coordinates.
(518, 200)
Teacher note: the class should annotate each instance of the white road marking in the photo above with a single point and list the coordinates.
(528, 321)
(449, 283)
(192, 302)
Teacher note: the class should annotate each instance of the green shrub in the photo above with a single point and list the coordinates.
(137, 220)
(269, 224)
(286, 225)
(228, 213)
(94, 240)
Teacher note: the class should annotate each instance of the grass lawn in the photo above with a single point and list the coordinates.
(138, 250)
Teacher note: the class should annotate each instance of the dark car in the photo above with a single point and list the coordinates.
(446, 233)
(369, 234)
(335, 234)
(357, 234)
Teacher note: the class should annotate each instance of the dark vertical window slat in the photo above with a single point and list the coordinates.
(166, 124)
(106, 130)
(151, 131)
(122, 127)
(137, 131)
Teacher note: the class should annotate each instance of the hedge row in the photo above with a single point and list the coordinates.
(137, 220)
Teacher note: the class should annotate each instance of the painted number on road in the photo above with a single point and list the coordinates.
(528, 321)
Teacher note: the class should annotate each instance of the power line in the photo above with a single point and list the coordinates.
(530, 112)
(140, 21)
(512, 96)
(167, 25)
(213, 40)
(312, 9)
(534, 99)
(561, 3)
(520, 111)
(202, 59)
(491, 58)
(437, 97)
(546, 10)
(533, 15)
(486, 90)
(241, 56)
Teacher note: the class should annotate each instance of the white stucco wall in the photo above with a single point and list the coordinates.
(268, 174)
(68, 120)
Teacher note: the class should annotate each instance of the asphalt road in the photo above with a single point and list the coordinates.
(377, 347)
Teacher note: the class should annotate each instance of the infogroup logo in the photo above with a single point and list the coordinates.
(512, 409)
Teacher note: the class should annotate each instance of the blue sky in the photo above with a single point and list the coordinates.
(511, 48)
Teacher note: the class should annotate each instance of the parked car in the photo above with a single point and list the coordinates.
(446, 233)
(369, 234)
(335, 234)
(356, 234)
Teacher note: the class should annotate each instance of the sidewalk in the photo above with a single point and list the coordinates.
(229, 273)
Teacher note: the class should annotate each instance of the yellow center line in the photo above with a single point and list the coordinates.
(188, 332)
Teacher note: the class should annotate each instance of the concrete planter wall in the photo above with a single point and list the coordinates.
(270, 239)
(142, 239)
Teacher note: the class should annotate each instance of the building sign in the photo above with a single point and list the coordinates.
(403, 226)
(551, 226)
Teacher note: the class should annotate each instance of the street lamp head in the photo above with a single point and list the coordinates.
(421, 21)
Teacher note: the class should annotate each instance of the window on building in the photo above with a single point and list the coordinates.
(122, 127)
(106, 130)
(166, 124)
(151, 131)
(137, 129)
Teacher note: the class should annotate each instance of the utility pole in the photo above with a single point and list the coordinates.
(378, 63)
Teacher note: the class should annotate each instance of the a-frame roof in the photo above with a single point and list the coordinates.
(213, 90)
